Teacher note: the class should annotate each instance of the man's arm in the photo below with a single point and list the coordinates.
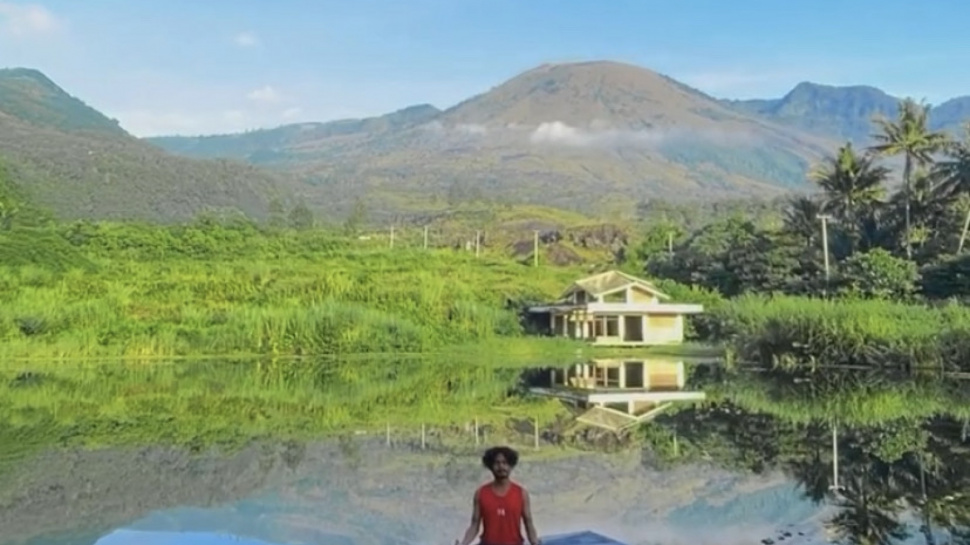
(472, 532)
(530, 528)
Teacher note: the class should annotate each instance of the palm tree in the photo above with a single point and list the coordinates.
(909, 135)
(929, 208)
(952, 175)
(801, 218)
(853, 186)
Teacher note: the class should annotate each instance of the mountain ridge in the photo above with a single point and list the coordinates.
(595, 137)
(599, 130)
(954, 110)
(71, 159)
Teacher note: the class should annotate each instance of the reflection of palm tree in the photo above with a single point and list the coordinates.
(813, 474)
(868, 516)
(937, 492)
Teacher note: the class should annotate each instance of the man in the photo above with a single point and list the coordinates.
(501, 506)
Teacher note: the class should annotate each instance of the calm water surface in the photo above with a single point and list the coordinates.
(330, 452)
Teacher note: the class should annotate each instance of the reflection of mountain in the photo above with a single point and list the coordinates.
(104, 489)
(128, 537)
(376, 496)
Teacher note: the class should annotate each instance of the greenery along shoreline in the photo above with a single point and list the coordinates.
(232, 287)
(213, 290)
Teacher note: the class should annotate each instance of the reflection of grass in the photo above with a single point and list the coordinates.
(847, 401)
(230, 403)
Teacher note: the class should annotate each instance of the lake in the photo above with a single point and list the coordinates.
(365, 450)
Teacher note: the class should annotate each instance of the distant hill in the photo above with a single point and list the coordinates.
(595, 137)
(69, 158)
(846, 112)
(30, 96)
(283, 143)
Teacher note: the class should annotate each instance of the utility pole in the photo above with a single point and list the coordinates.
(835, 459)
(963, 234)
(392, 236)
(478, 242)
(425, 237)
(670, 243)
(535, 249)
(825, 246)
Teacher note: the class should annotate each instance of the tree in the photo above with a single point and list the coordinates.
(277, 213)
(301, 217)
(878, 274)
(356, 219)
(801, 219)
(853, 192)
(909, 135)
(952, 174)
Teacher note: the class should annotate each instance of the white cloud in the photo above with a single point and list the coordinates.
(264, 94)
(246, 39)
(22, 20)
(560, 133)
(557, 133)
(290, 113)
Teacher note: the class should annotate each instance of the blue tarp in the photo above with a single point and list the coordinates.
(580, 538)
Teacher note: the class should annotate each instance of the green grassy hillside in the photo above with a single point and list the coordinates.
(75, 162)
(32, 97)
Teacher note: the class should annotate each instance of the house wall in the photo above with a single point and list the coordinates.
(639, 295)
(664, 328)
(656, 328)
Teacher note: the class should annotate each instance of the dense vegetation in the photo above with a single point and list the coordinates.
(893, 258)
(213, 288)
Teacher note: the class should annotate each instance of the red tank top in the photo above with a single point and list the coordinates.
(501, 515)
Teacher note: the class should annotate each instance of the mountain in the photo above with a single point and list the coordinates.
(272, 145)
(846, 112)
(592, 136)
(70, 158)
(32, 97)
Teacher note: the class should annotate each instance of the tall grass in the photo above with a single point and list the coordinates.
(180, 292)
(796, 331)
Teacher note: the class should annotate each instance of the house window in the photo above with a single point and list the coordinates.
(615, 297)
(599, 327)
(612, 326)
(580, 297)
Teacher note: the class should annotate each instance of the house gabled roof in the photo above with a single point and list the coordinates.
(611, 281)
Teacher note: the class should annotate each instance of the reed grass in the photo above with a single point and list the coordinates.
(799, 331)
(847, 401)
(182, 291)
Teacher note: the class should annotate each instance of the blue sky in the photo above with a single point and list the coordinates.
(193, 67)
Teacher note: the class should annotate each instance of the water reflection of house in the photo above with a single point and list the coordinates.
(619, 393)
(614, 308)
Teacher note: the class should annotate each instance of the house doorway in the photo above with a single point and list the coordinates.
(633, 329)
